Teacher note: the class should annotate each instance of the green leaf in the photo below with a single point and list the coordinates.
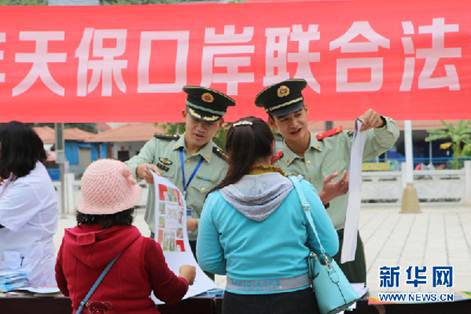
(459, 134)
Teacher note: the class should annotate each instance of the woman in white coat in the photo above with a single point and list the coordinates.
(28, 207)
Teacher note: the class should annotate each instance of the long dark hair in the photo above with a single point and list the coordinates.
(20, 149)
(248, 140)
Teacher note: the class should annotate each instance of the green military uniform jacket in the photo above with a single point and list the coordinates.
(164, 151)
(331, 154)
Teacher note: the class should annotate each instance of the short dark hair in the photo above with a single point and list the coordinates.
(245, 144)
(123, 218)
(20, 149)
(283, 116)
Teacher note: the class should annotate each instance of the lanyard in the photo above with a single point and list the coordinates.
(182, 162)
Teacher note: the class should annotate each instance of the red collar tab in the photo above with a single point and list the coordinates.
(276, 157)
(329, 133)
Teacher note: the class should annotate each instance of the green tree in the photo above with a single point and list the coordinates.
(173, 128)
(220, 138)
(459, 135)
(467, 150)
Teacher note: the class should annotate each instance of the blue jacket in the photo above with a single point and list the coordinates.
(243, 237)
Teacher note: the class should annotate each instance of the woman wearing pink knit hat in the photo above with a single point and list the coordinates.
(104, 264)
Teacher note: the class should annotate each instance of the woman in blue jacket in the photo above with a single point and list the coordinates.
(253, 229)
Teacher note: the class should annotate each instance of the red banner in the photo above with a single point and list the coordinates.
(406, 59)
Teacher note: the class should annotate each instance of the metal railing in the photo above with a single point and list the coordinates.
(378, 188)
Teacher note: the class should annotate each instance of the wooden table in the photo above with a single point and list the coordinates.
(211, 305)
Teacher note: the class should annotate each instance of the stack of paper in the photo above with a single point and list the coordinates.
(13, 280)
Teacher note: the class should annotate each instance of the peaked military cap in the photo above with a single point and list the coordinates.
(282, 98)
(206, 104)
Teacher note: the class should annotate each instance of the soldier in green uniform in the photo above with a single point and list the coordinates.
(192, 161)
(323, 159)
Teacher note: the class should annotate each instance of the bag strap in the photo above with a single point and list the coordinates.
(96, 284)
(307, 211)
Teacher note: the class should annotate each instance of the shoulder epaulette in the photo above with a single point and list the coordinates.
(219, 152)
(167, 137)
(329, 133)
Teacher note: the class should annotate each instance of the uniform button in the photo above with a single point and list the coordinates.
(202, 189)
(308, 161)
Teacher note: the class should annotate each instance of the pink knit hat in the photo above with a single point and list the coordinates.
(107, 188)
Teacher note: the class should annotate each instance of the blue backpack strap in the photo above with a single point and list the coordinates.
(96, 284)
(307, 211)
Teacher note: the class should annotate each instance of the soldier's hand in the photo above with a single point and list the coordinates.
(370, 119)
(192, 224)
(188, 272)
(143, 171)
(332, 189)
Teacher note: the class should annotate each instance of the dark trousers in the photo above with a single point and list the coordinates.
(296, 302)
(355, 271)
(193, 247)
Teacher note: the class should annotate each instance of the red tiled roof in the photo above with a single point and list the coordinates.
(76, 134)
(133, 132)
(48, 134)
(102, 126)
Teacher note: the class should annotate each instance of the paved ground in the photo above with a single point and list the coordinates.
(437, 236)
